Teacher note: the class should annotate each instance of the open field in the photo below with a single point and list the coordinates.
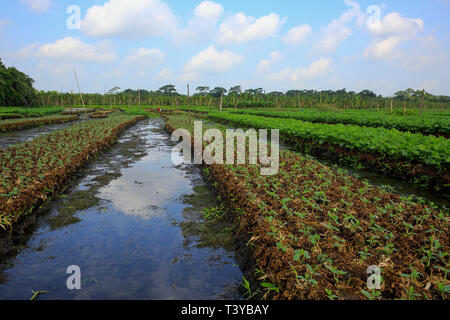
(425, 159)
(33, 171)
(313, 232)
(20, 112)
(244, 160)
(24, 123)
(433, 124)
(308, 232)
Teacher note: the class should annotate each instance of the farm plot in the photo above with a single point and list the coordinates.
(313, 232)
(25, 123)
(423, 159)
(31, 172)
(435, 125)
(18, 112)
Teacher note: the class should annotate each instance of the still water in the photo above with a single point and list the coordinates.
(133, 222)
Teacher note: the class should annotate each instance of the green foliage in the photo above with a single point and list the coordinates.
(30, 112)
(430, 151)
(39, 164)
(139, 112)
(440, 125)
(16, 88)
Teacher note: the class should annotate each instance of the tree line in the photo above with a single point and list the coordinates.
(235, 97)
(16, 89)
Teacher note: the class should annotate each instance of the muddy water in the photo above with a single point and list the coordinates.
(16, 137)
(133, 223)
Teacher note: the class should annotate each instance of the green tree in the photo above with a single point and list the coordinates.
(217, 92)
(16, 88)
(168, 90)
(202, 90)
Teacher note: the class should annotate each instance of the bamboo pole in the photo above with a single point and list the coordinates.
(78, 85)
(421, 103)
(188, 96)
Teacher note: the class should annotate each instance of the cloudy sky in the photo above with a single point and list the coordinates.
(278, 45)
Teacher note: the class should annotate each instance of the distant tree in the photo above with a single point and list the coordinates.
(235, 90)
(254, 91)
(341, 92)
(203, 90)
(168, 90)
(367, 94)
(276, 94)
(113, 90)
(217, 92)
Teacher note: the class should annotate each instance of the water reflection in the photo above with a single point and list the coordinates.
(126, 233)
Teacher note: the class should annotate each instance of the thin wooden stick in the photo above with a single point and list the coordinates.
(78, 85)
(421, 103)
(189, 96)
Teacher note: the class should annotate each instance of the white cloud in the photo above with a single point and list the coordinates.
(297, 35)
(316, 69)
(146, 56)
(202, 25)
(266, 64)
(129, 19)
(243, 29)
(37, 5)
(211, 60)
(383, 49)
(337, 31)
(394, 30)
(72, 49)
(393, 24)
(332, 36)
(164, 74)
(209, 10)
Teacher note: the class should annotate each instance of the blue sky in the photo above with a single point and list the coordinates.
(276, 45)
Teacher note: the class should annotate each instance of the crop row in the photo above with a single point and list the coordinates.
(31, 172)
(24, 123)
(313, 232)
(30, 112)
(428, 125)
(391, 151)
